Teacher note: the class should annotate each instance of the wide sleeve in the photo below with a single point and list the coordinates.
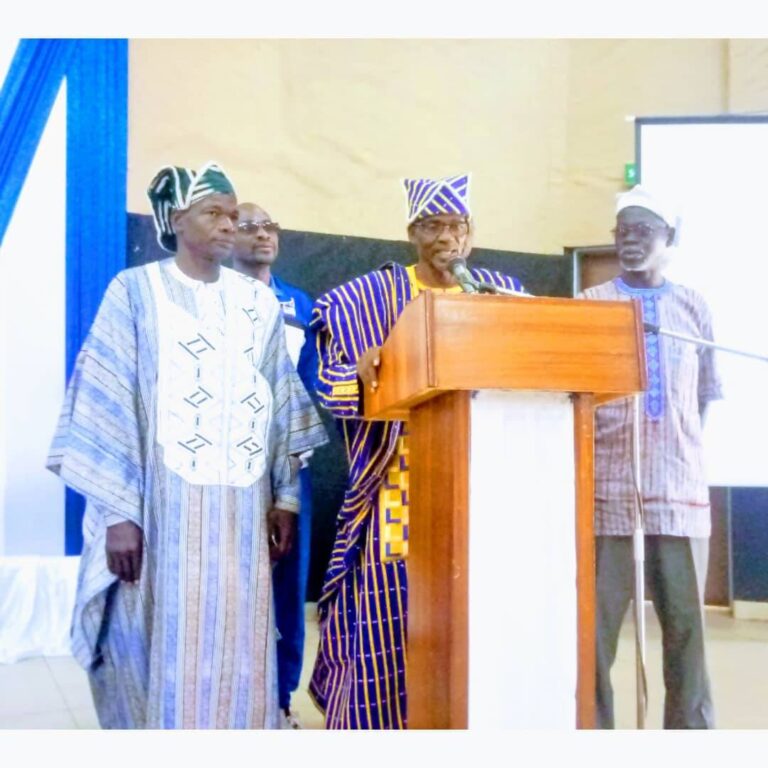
(307, 367)
(338, 386)
(97, 449)
(296, 424)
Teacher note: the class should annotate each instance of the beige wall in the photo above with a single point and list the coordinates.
(748, 76)
(609, 80)
(320, 131)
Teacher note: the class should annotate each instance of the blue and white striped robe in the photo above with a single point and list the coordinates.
(192, 645)
(359, 675)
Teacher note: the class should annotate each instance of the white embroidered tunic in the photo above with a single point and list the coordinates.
(213, 405)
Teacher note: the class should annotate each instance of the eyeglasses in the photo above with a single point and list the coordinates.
(433, 228)
(252, 227)
(641, 230)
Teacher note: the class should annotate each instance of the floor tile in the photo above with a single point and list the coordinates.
(309, 715)
(58, 719)
(28, 687)
(737, 660)
(85, 717)
(71, 680)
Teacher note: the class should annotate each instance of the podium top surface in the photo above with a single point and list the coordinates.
(444, 342)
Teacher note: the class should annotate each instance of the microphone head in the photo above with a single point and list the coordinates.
(458, 267)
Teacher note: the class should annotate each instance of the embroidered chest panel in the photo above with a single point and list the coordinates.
(213, 404)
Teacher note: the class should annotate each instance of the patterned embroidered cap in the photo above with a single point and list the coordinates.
(431, 197)
(175, 189)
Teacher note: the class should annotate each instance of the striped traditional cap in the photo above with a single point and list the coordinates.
(431, 197)
(175, 189)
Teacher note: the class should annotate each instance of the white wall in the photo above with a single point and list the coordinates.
(32, 333)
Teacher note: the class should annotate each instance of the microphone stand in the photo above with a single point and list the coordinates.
(458, 268)
(638, 551)
(638, 536)
(483, 287)
(698, 341)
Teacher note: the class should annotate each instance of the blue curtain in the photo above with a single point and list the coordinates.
(28, 94)
(97, 139)
(97, 130)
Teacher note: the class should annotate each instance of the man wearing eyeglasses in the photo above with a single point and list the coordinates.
(359, 675)
(257, 241)
(682, 380)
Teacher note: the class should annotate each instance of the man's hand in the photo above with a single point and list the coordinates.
(367, 365)
(124, 551)
(281, 525)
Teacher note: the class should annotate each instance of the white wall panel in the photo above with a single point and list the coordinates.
(522, 562)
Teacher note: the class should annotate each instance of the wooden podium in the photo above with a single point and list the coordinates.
(499, 394)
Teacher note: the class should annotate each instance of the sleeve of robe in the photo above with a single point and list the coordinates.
(339, 344)
(296, 426)
(710, 386)
(98, 451)
(98, 447)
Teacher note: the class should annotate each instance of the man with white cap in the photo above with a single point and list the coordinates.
(182, 426)
(682, 380)
(359, 675)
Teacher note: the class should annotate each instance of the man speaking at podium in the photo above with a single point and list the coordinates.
(682, 380)
(359, 675)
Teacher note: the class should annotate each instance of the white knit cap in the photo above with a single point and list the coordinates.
(639, 197)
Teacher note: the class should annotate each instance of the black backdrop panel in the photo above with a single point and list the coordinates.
(317, 263)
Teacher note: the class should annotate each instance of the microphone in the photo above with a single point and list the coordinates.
(458, 268)
(651, 328)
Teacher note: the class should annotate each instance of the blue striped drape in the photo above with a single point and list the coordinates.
(26, 100)
(97, 163)
(97, 136)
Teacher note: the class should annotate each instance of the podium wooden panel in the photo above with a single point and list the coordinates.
(443, 347)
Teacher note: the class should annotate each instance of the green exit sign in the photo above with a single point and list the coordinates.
(630, 173)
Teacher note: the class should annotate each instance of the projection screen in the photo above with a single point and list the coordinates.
(715, 170)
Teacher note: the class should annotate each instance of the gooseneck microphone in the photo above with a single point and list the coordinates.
(458, 268)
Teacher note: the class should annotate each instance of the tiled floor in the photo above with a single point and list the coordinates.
(45, 692)
(53, 692)
(737, 658)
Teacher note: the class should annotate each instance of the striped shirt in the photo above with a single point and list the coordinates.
(682, 379)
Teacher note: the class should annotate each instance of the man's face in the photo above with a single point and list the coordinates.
(257, 237)
(642, 239)
(441, 239)
(207, 228)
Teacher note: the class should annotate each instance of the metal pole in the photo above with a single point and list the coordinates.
(638, 548)
(650, 328)
(484, 287)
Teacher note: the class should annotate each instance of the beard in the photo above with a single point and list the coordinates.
(255, 258)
